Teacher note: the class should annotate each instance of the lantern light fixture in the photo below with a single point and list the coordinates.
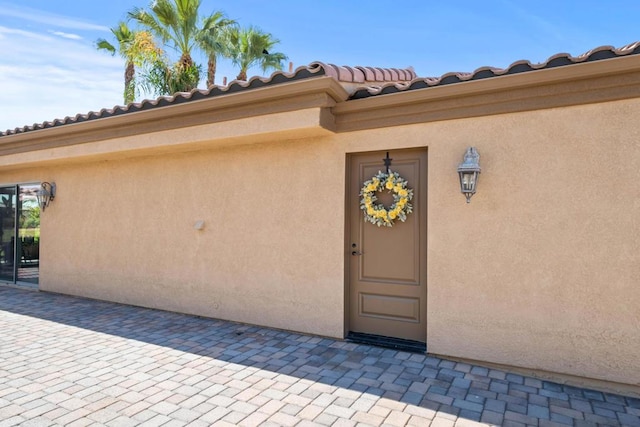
(469, 170)
(46, 194)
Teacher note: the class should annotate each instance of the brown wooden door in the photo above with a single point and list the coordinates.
(387, 265)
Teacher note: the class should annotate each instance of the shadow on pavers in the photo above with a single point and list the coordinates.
(458, 389)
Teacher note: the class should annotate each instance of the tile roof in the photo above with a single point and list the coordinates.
(522, 66)
(366, 75)
(371, 81)
(178, 98)
(357, 75)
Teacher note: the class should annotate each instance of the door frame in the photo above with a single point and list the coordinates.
(347, 235)
(16, 282)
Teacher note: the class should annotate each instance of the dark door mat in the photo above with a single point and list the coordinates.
(387, 342)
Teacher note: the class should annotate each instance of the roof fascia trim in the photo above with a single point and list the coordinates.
(319, 85)
(580, 71)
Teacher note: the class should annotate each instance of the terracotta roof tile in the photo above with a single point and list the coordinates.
(367, 81)
(178, 98)
(365, 75)
(341, 73)
(522, 66)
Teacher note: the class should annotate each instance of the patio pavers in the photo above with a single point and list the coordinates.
(79, 362)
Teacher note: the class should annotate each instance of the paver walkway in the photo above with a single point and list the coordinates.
(72, 361)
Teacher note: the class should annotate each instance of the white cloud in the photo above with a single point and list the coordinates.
(41, 17)
(23, 33)
(66, 35)
(52, 70)
(44, 78)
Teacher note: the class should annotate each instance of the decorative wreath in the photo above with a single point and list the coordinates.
(376, 213)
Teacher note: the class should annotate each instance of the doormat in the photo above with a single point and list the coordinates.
(387, 342)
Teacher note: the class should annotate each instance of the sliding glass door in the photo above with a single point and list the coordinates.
(20, 240)
(28, 243)
(8, 224)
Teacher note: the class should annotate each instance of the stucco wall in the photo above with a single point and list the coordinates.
(124, 231)
(539, 271)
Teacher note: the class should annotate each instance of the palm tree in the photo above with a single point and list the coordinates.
(174, 22)
(136, 47)
(177, 22)
(212, 40)
(252, 47)
(163, 78)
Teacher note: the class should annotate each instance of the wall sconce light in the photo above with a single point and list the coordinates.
(46, 194)
(469, 170)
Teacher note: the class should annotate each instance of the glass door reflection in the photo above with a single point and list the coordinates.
(28, 243)
(8, 230)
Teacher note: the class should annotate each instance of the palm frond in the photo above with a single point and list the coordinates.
(250, 47)
(102, 44)
(150, 22)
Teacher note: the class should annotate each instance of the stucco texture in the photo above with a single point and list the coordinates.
(538, 271)
(270, 251)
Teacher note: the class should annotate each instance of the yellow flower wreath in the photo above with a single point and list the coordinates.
(376, 213)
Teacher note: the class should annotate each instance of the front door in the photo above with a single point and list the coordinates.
(387, 265)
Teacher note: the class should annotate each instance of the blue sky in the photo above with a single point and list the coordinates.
(49, 68)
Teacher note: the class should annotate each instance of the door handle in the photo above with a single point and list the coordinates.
(356, 253)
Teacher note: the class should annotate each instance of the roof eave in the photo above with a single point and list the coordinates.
(357, 113)
(320, 92)
(587, 70)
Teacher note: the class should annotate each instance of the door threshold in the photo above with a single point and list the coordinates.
(20, 285)
(387, 342)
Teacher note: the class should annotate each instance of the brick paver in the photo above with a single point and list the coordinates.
(78, 362)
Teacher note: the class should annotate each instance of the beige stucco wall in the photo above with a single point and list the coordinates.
(539, 271)
(123, 231)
